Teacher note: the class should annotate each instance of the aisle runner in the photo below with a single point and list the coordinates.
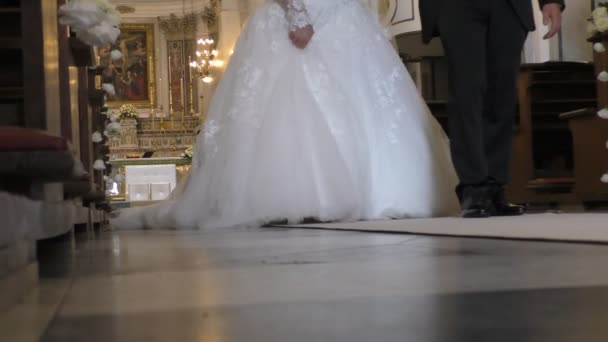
(586, 227)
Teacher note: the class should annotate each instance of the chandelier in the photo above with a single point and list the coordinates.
(206, 60)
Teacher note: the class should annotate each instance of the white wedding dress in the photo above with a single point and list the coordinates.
(336, 131)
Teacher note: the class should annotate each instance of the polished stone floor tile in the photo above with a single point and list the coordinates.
(570, 314)
(295, 285)
(27, 321)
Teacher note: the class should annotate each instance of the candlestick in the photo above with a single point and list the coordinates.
(153, 115)
(181, 94)
(162, 115)
(170, 90)
(183, 101)
(191, 90)
(190, 80)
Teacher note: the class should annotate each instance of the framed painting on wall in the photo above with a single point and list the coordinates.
(128, 66)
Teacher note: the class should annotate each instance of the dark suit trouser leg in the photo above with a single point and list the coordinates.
(463, 30)
(506, 37)
(483, 60)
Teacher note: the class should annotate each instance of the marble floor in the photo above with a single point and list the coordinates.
(265, 285)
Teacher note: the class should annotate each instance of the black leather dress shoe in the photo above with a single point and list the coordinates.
(503, 208)
(476, 202)
(476, 213)
(509, 209)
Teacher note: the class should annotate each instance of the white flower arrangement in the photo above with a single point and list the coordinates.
(599, 48)
(188, 153)
(109, 89)
(598, 22)
(94, 21)
(96, 137)
(112, 129)
(110, 114)
(115, 55)
(127, 111)
(99, 165)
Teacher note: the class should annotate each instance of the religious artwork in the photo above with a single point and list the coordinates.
(180, 54)
(129, 66)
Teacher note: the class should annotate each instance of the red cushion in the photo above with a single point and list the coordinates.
(25, 139)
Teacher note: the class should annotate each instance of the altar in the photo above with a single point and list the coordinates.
(166, 137)
(149, 157)
(148, 179)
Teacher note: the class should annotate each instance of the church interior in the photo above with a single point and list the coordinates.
(92, 123)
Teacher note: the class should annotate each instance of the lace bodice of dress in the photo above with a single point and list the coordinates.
(297, 14)
(300, 13)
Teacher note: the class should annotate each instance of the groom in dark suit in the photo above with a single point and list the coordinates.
(483, 41)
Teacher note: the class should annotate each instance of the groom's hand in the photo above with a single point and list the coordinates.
(302, 36)
(552, 14)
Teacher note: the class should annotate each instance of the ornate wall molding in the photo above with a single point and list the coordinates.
(124, 9)
(179, 28)
(210, 14)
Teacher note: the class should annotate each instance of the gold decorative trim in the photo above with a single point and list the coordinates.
(175, 27)
(123, 9)
(210, 16)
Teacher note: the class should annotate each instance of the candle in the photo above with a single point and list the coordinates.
(150, 74)
(189, 76)
(183, 102)
(182, 94)
(159, 92)
(170, 90)
(170, 75)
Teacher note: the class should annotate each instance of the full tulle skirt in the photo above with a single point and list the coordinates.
(335, 132)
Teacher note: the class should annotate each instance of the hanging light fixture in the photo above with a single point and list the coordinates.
(205, 59)
(206, 54)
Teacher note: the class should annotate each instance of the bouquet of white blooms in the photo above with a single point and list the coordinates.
(127, 111)
(112, 129)
(598, 22)
(95, 22)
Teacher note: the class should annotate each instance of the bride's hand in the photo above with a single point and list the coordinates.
(301, 37)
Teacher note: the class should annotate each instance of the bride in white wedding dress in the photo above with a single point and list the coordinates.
(331, 128)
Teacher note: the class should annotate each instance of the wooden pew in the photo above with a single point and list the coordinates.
(590, 138)
(543, 154)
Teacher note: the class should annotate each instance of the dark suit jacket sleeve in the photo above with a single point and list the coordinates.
(544, 2)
